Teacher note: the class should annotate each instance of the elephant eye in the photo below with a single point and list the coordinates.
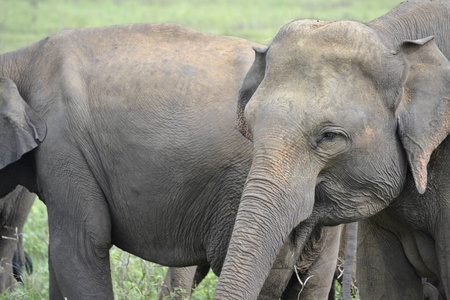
(327, 136)
(331, 140)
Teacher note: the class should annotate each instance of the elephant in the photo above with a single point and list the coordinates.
(408, 240)
(127, 134)
(14, 210)
(343, 117)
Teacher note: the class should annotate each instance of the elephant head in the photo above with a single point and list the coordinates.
(331, 110)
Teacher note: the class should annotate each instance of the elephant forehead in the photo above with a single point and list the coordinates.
(308, 46)
(312, 108)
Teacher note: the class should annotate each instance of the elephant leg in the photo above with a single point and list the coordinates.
(433, 288)
(200, 274)
(79, 237)
(54, 290)
(318, 279)
(383, 270)
(430, 292)
(332, 292)
(178, 283)
(81, 266)
(350, 253)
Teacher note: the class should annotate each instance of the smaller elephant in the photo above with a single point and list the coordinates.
(14, 210)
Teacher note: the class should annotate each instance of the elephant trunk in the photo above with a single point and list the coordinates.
(283, 268)
(278, 195)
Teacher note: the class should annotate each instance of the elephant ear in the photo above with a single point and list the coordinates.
(251, 82)
(424, 112)
(21, 129)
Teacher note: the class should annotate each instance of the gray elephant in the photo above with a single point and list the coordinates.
(410, 239)
(14, 210)
(127, 134)
(336, 112)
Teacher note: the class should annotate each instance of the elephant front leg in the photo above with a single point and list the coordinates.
(79, 261)
(54, 291)
(383, 270)
(79, 239)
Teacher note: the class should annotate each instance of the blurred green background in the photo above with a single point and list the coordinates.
(26, 21)
(23, 22)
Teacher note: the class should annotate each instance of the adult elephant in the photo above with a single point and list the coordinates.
(410, 239)
(126, 133)
(14, 210)
(336, 111)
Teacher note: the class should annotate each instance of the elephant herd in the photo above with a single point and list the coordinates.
(190, 149)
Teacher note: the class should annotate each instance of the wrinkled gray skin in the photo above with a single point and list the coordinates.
(315, 268)
(433, 289)
(128, 128)
(123, 129)
(14, 210)
(179, 282)
(336, 112)
(410, 239)
(127, 134)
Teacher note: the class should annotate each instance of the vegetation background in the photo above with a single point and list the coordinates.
(23, 22)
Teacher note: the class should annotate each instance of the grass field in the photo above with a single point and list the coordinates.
(23, 22)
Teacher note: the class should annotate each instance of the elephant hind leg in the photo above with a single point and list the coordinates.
(179, 282)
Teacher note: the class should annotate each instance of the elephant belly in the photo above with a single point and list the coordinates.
(158, 232)
(174, 224)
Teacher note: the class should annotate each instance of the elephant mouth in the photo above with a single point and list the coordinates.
(295, 243)
(332, 206)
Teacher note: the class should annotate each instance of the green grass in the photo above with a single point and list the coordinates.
(23, 22)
